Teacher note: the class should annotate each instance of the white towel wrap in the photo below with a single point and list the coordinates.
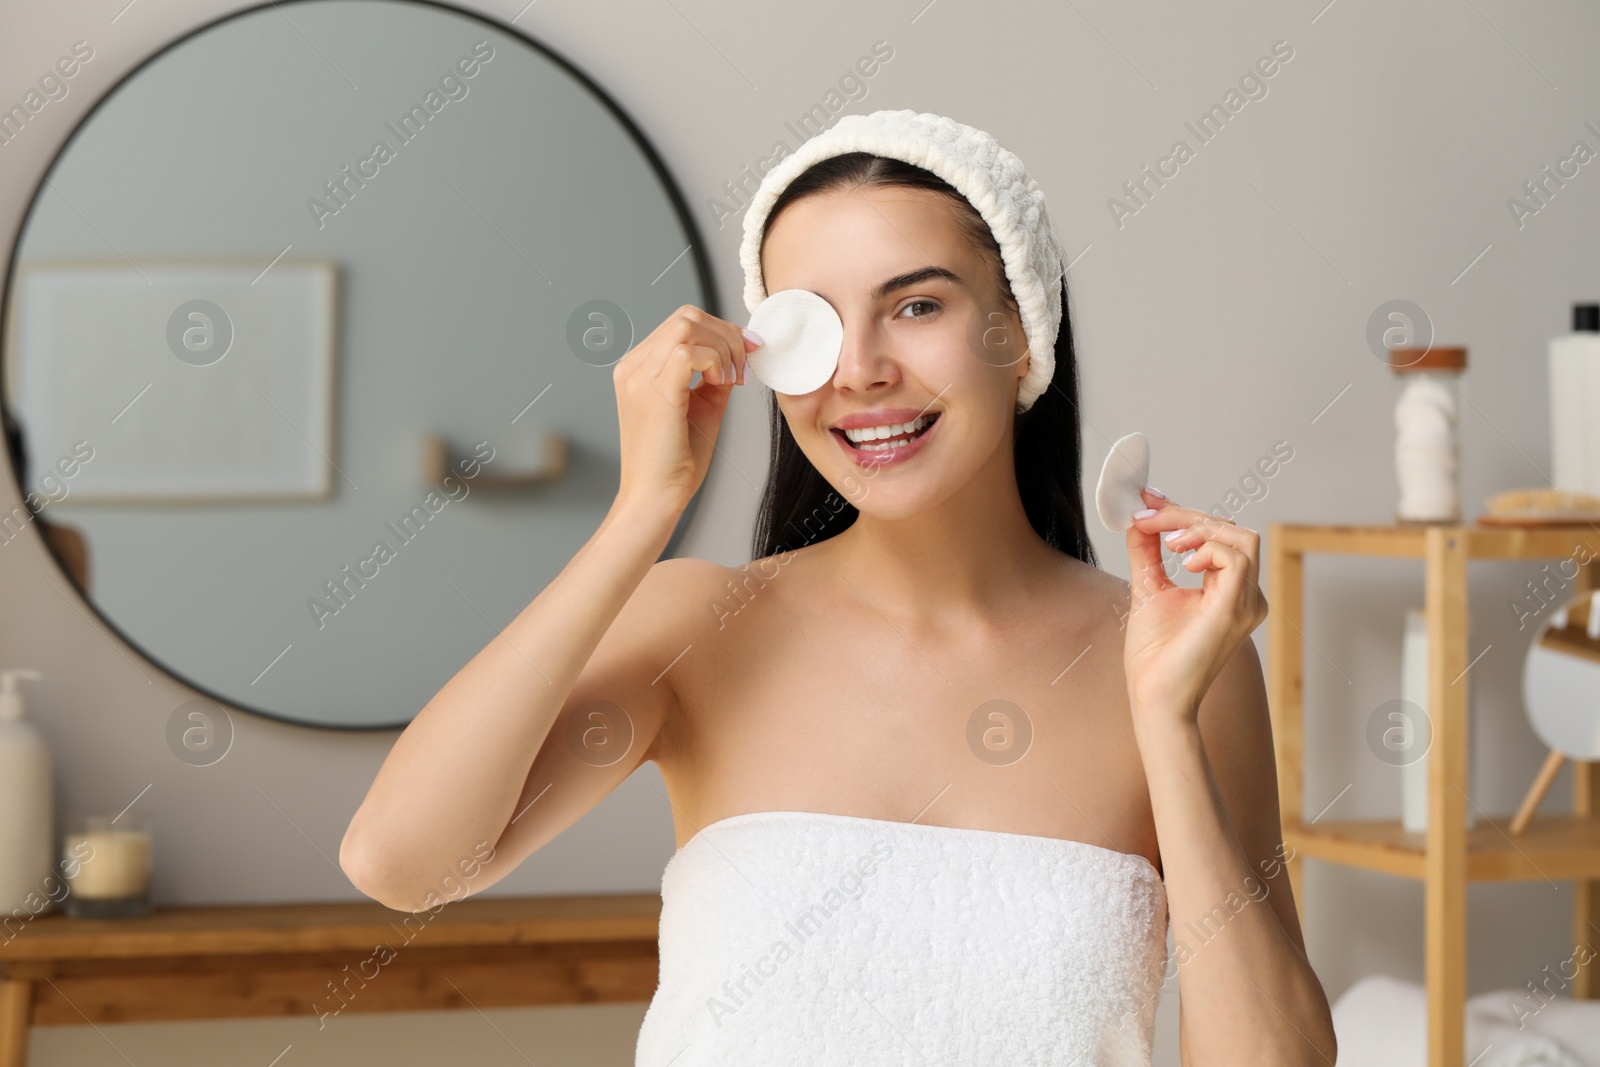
(804, 938)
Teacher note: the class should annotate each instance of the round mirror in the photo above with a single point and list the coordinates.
(1561, 680)
(308, 342)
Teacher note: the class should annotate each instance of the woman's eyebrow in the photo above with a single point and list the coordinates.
(921, 274)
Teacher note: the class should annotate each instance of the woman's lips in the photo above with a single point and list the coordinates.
(888, 456)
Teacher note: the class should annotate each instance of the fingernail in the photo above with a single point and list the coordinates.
(1144, 513)
(1154, 491)
(751, 336)
(1172, 535)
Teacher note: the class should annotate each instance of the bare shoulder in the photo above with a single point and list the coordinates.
(683, 575)
(691, 596)
(1093, 578)
(1100, 597)
(673, 597)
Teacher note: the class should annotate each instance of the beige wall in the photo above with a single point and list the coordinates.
(1222, 317)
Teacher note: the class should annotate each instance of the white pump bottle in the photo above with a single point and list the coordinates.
(26, 802)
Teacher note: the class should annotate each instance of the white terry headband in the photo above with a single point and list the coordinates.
(990, 177)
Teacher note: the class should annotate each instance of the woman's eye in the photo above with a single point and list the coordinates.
(932, 306)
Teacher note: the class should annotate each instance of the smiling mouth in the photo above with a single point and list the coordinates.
(901, 436)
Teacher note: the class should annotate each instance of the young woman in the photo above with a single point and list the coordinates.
(939, 782)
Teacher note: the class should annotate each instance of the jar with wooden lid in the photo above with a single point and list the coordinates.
(1426, 448)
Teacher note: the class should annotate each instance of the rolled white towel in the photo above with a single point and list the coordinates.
(1530, 1050)
(1382, 1021)
(1564, 1032)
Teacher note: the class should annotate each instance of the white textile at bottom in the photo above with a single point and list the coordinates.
(1383, 1022)
(819, 940)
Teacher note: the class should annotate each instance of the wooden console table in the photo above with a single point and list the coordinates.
(1447, 856)
(315, 959)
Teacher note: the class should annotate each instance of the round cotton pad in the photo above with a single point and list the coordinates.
(1126, 472)
(803, 335)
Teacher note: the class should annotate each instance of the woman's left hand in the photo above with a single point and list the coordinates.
(1178, 638)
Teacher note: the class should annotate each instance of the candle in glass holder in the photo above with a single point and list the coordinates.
(107, 864)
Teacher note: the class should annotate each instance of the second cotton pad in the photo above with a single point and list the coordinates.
(1126, 472)
(803, 335)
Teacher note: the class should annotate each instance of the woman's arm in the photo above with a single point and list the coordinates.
(1247, 992)
(454, 781)
(449, 786)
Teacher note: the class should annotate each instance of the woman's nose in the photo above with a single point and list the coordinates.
(864, 360)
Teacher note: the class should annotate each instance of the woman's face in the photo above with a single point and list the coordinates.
(928, 340)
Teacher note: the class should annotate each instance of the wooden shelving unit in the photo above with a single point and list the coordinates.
(229, 961)
(1447, 856)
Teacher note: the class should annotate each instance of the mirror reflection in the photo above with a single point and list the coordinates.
(1561, 680)
(305, 398)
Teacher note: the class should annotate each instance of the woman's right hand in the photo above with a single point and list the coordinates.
(668, 430)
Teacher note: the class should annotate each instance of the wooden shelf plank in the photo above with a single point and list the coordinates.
(1482, 542)
(1554, 847)
(1350, 540)
(414, 979)
(231, 930)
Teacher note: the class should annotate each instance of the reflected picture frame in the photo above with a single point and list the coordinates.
(250, 339)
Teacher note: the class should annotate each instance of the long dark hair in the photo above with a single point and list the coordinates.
(799, 506)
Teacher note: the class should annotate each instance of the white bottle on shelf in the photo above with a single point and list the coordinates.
(1414, 689)
(26, 802)
(1575, 403)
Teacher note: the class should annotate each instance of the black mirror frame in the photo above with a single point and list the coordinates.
(16, 453)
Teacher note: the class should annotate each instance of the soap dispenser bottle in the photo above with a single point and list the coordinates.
(26, 794)
(1574, 396)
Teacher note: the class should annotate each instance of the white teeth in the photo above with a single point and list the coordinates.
(875, 433)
